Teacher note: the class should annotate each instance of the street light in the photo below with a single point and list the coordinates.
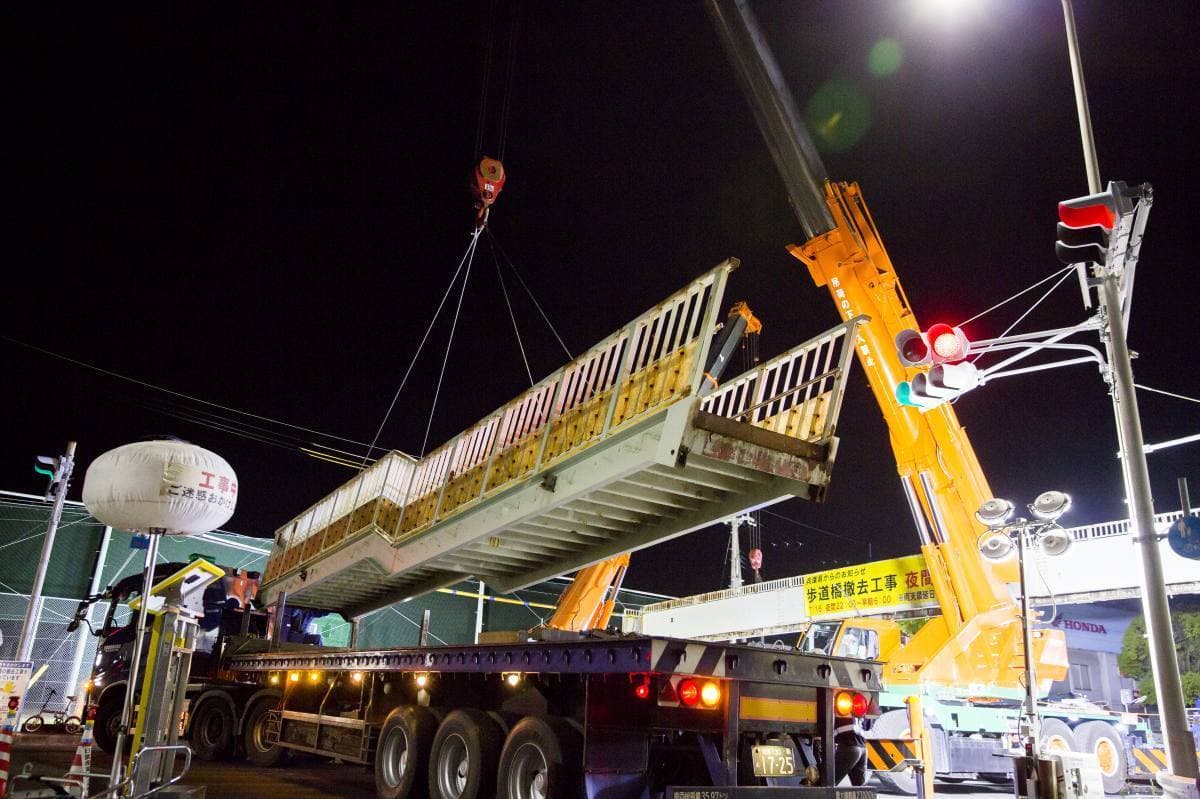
(1003, 535)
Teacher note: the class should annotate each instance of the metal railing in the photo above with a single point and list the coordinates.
(798, 393)
(1123, 526)
(647, 365)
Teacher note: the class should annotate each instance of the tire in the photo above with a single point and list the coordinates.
(72, 724)
(33, 724)
(462, 762)
(542, 758)
(1102, 740)
(254, 730)
(1056, 736)
(212, 730)
(402, 755)
(894, 724)
(107, 723)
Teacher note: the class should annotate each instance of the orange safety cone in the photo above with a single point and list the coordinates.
(76, 781)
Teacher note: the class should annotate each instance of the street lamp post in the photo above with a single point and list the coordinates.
(1003, 535)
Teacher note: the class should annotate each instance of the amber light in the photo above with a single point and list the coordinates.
(294, 677)
(710, 694)
(843, 703)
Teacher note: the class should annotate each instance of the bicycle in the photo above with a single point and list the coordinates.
(70, 723)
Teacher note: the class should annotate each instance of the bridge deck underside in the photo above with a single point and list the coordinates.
(682, 471)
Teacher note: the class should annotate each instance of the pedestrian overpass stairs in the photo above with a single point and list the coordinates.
(620, 449)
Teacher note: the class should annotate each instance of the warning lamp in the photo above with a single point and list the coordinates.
(710, 694)
(689, 692)
(422, 679)
(314, 676)
(273, 679)
(642, 689)
(294, 676)
(513, 678)
(356, 676)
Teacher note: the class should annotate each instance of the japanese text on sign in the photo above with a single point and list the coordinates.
(893, 584)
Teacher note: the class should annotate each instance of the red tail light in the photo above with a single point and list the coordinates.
(851, 703)
(689, 692)
(642, 690)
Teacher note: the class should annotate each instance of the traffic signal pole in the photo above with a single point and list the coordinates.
(34, 610)
(1180, 745)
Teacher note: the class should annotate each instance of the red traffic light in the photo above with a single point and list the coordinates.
(1095, 213)
(947, 344)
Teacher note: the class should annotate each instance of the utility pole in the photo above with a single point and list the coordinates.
(60, 480)
(1180, 745)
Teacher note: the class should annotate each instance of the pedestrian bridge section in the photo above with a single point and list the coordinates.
(622, 448)
(1102, 563)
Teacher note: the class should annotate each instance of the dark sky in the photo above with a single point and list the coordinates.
(260, 206)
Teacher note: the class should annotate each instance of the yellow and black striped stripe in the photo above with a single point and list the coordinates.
(892, 754)
(1149, 760)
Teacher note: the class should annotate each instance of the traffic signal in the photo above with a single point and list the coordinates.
(943, 382)
(942, 343)
(1086, 224)
(53, 468)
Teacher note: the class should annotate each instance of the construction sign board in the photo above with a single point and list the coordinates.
(882, 586)
(14, 683)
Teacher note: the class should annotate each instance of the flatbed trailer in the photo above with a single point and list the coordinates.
(603, 716)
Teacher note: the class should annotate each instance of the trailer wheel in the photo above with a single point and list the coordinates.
(1056, 736)
(212, 728)
(402, 753)
(1102, 740)
(462, 762)
(107, 723)
(542, 759)
(894, 724)
(259, 750)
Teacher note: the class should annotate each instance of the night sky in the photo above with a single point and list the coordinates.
(261, 206)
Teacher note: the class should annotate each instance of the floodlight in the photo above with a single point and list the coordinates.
(1054, 541)
(1050, 505)
(995, 512)
(995, 545)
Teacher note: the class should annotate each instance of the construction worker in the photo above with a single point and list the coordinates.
(849, 752)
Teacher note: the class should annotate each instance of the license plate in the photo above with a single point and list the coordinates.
(773, 761)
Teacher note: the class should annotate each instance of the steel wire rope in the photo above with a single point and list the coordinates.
(1166, 393)
(529, 292)
(421, 346)
(437, 392)
(1065, 274)
(1025, 290)
(489, 18)
(512, 316)
(506, 105)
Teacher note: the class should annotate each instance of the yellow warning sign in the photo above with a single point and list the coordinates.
(882, 585)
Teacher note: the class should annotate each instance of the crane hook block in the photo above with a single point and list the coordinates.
(486, 185)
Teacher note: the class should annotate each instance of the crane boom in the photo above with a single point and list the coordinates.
(976, 642)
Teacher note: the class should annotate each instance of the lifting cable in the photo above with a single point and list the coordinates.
(453, 327)
(429, 329)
